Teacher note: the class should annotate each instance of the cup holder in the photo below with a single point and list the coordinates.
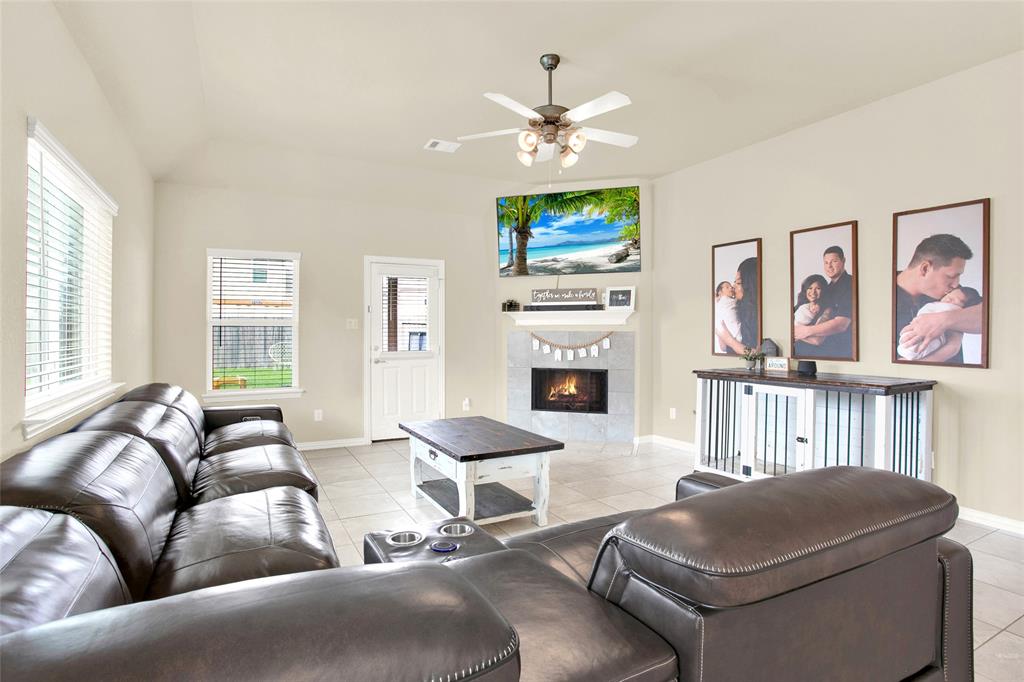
(404, 538)
(456, 530)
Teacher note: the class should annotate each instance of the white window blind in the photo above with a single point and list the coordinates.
(68, 277)
(404, 322)
(253, 320)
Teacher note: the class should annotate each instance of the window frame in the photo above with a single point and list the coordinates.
(220, 396)
(46, 410)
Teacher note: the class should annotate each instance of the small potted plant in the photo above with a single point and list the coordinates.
(752, 356)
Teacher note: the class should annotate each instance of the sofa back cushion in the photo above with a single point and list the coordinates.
(750, 542)
(165, 428)
(51, 567)
(172, 396)
(114, 483)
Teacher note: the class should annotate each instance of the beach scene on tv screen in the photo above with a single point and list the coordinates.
(569, 233)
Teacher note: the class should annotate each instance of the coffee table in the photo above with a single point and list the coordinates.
(474, 454)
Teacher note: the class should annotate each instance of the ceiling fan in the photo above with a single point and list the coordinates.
(552, 127)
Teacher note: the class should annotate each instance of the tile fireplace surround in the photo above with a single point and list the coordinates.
(617, 426)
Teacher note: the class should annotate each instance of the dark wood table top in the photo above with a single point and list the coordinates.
(850, 383)
(468, 439)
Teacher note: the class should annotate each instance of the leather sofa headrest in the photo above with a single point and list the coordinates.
(749, 542)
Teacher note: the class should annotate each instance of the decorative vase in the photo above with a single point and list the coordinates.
(751, 364)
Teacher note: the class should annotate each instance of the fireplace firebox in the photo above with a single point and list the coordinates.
(570, 390)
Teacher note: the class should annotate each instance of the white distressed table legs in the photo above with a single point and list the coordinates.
(414, 471)
(541, 488)
(465, 475)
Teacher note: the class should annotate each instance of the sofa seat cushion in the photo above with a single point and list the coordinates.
(171, 396)
(251, 535)
(246, 435)
(566, 633)
(570, 548)
(52, 566)
(249, 469)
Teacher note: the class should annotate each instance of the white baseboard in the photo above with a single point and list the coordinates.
(328, 444)
(666, 441)
(992, 520)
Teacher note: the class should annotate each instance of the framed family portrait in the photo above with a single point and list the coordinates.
(735, 297)
(940, 285)
(823, 287)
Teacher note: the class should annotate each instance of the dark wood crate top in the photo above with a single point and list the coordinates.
(850, 383)
(469, 439)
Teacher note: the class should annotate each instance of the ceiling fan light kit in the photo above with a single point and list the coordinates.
(551, 125)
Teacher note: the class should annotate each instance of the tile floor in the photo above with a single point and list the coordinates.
(367, 488)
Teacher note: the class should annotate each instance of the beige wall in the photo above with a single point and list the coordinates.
(956, 139)
(333, 212)
(45, 76)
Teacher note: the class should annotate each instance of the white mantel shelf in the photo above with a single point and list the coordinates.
(551, 318)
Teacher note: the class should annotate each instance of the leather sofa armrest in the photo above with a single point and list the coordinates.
(217, 417)
(384, 622)
(956, 645)
(701, 482)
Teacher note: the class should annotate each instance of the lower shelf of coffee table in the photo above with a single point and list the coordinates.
(492, 499)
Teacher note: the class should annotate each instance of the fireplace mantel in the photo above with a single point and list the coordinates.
(614, 317)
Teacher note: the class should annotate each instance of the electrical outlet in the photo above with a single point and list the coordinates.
(351, 323)
(671, 413)
(318, 415)
(466, 404)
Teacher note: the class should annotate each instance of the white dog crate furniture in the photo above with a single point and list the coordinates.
(752, 424)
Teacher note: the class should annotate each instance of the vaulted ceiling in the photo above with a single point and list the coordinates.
(375, 80)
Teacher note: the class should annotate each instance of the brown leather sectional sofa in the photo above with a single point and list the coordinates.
(838, 574)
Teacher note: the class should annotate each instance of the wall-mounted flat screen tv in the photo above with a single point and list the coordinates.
(569, 233)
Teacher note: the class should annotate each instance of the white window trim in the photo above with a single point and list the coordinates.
(65, 407)
(242, 394)
(47, 412)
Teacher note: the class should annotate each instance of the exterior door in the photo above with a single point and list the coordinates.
(405, 336)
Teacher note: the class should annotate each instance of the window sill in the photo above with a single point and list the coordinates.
(245, 394)
(41, 420)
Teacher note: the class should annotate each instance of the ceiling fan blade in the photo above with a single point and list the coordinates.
(545, 152)
(493, 133)
(595, 107)
(610, 137)
(510, 103)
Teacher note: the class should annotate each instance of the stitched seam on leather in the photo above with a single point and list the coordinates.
(578, 530)
(240, 551)
(29, 542)
(647, 670)
(482, 666)
(81, 587)
(556, 554)
(945, 618)
(700, 626)
(273, 471)
(970, 610)
(789, 556)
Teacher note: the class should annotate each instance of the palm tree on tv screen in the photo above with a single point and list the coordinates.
(621, 204)
(519, 213)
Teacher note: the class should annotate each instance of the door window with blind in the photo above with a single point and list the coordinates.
(405, 313)
(253, 320)
(68, 282)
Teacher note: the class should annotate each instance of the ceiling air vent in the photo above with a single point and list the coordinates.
(441, 146)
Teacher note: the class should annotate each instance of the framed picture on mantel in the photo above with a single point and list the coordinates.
(735, 297)
(940, 285)
(823, 287)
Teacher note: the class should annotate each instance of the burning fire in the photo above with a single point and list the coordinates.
(564, 390)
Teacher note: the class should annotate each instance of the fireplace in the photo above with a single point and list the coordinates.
(570, 390)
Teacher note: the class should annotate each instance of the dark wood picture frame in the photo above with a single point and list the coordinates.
(985, 291)
(760, 296)
(852, 263)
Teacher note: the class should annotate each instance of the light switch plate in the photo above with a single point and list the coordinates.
(351, 323)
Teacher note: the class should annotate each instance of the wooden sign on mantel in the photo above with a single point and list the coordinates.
(582, 296)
